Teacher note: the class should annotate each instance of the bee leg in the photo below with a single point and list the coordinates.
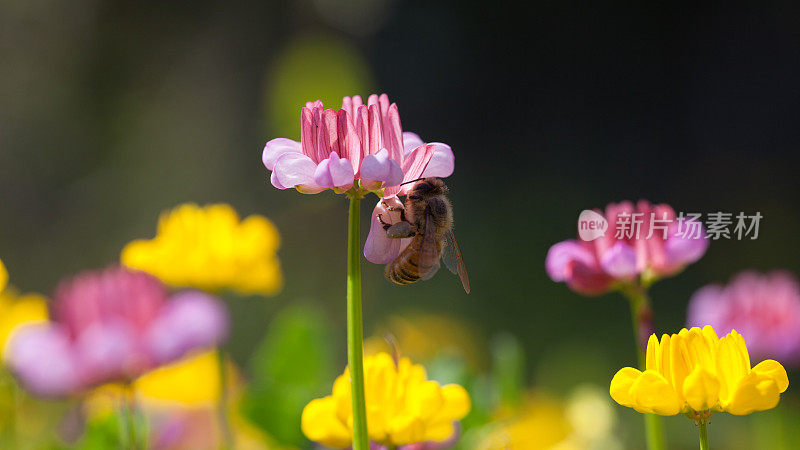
(400, 230)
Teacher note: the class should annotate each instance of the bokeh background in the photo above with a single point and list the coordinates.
(112, 111)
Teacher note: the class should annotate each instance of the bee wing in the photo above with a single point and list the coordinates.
(431, 272)
(453, 259)
(429, 253)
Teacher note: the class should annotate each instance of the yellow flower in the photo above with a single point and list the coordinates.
(540, 425)
(422, 337)
(696, 373)
(403, 406)
(3, 276)
(187, 391)
(192, 382)
(17, 310)
(209, 248)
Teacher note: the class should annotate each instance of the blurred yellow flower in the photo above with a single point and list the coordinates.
(186, 391)
(423, 336)
(403, 406)
(17, 310)
(209, 248)
(542, 422)
(697, 374)
(190, 382)
(3, 276)
(539, 425)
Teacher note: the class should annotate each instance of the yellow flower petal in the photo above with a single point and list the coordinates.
(17, 311)
(456, 405)
(456, 402)
(665, 368)
(652, 393)
(3, 276)
(701, 390)
(621, 385)
(194, 380)
(754, 392)
(680, 366)
(439, 431)
(403, 407)
(732, 366)
(209, 248)
(774, 370)
(406, 428)
(653, 354)
(694, 370)
(425, 400)
(711, 337)
(319, 424)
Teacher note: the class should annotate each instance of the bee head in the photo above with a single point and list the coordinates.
(428, 187)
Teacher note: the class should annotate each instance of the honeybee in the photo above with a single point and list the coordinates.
(427, 218)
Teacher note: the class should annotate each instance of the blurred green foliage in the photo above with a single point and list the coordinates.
(292, 365)
(314, 67)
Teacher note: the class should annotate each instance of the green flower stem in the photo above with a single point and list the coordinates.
(703, 435)
(226, 436)
(9, 387)
(355, 328)
(642, 321)
(128, 438)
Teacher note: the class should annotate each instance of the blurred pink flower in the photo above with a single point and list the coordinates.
(112, 325)
(357, 142)
(592, 267)
(764, 309)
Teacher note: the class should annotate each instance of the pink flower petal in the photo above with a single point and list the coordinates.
(393, 133)
(681, 251)
(362, 129)
(619, 261)
(351, 104)
(410, 141)
(315, 104)
(380, 170)
(416, 160)
(375, 129)
(442, 162)
(380, 249)
(277, 147)
(373, 100)
(574, 263)
(41, 357)
(562, 254)
(707, 307)
(273, 178)
(108, 350)
(329, 135)
(308, 133)
(191, 320)
(349, 143)
(334, 172)
(295, 170)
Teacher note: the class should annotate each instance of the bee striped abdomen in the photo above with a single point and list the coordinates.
(406, 268)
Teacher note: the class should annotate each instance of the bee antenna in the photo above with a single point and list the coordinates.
(412, 181)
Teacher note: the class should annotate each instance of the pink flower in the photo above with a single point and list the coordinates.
(112, 325)
(764, 309)
(363, 143)
(592, 267)
(357, 142)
